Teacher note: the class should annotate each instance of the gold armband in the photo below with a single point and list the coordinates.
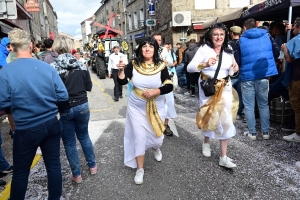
(200, 66)
(167, 81)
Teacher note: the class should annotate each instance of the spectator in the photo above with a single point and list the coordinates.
(235, 33)
(73, 52)
(258, 50)
(180, 65)
(5, 50)
(291, 52)
(191, 78)
(113, 70)
(5, 167)
(37, 50)
(169, 102)
(48, 55)
(75, 113)
(34, 110)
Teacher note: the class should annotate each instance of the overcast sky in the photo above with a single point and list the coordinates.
(71, 14)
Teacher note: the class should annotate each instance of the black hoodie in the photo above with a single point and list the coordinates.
(190, 52)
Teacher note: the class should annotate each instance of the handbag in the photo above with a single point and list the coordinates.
(208, 85)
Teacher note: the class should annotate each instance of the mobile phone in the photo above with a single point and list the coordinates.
(285, 22)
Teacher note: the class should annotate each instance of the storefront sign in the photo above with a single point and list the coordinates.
(150, 22)
(32, 6)
(139, 35)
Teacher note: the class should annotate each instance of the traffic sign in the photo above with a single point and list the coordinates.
(151, 22)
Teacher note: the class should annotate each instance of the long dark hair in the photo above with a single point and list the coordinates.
(139, 55)
(206, 39)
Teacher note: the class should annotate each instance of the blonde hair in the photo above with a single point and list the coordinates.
(62, 45)
(19, 39)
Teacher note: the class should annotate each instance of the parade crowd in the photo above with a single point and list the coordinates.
(235, 72)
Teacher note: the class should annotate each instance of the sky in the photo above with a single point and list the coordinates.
(71, 14)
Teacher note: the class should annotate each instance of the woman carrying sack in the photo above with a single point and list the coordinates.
(214, 59)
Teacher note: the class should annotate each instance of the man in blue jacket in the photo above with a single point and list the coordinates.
(5, 48)
(258, 50)
(32, 88)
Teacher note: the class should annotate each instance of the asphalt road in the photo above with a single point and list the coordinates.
(265, 169)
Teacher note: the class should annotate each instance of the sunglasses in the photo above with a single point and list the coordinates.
(8, 45)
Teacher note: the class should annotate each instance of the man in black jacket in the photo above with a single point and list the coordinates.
(191, 78)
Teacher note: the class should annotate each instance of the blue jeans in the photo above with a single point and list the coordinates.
(181, 74)
(4, 165)
(47, 136)
(256, 89)
(75, 122)
(236, 84)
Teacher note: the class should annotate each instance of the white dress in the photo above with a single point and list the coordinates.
(139, 134)
(202, 55)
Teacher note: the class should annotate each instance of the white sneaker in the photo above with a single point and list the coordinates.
(226, 162)
(158, 155)
(251, 136)
(38, 152)
(238, 117)
(266, 135)
(187, 93)
(292, 138)
(206, 150)
(298, 165)
(139, 176)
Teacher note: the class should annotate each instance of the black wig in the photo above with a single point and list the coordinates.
(139, 55)
(206, 39)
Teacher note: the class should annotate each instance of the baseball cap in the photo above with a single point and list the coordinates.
(236, 29)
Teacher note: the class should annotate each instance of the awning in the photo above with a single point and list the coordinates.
(271, 10)
(5, 28)
(229, 17)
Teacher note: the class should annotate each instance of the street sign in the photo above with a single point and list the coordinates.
(8, 9)
(151, 22)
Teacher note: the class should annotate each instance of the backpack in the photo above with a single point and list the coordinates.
(51, 57)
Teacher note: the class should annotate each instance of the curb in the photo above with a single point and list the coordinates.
(5, 194)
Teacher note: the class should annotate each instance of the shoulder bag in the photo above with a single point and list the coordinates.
(208, 85)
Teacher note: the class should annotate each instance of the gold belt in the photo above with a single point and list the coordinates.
(152, 113)
(204, 77)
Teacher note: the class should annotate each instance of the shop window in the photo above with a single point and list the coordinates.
(205, 4)
(135, 21)
(239, 3)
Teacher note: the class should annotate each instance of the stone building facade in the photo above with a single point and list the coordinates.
(41, 25)
(134, 14)
(86, 29)
(200, 15)
(68, 36)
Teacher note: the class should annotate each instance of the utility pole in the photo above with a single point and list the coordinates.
(145, 10)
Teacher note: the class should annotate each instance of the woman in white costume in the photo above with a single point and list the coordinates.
(146, 107)
(217, 112)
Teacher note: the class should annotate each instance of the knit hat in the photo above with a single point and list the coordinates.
(74, 51)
